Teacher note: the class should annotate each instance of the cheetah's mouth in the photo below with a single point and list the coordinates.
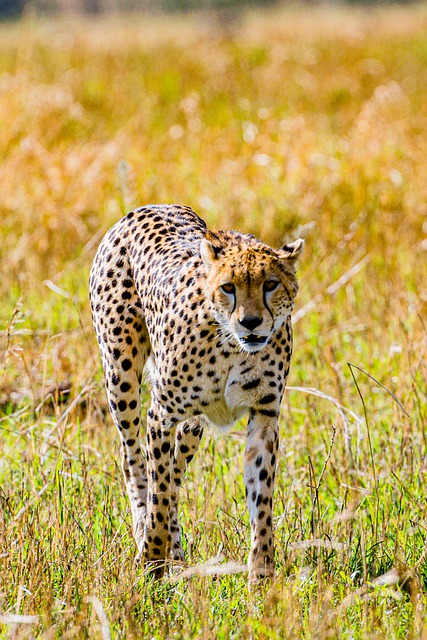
(252, 339)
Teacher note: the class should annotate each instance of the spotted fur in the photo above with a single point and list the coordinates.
(207, 314)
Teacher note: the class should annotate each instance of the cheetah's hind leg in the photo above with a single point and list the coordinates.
(188, 436)
(125, 409)
(123, 365)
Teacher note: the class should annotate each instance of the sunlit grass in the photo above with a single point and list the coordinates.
(297, 123)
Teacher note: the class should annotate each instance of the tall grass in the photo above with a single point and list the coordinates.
(299, 122)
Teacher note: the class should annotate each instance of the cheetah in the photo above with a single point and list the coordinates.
(208, 315)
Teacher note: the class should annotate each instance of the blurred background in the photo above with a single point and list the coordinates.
(10, 8)
(228, 8)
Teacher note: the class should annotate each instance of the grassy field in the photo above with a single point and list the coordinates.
(308, 123)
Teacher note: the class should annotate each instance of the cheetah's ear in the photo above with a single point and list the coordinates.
(292, 250)
(209, 252)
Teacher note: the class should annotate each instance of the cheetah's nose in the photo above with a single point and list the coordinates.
(251, 322)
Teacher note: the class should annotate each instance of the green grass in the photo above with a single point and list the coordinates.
(300, 122)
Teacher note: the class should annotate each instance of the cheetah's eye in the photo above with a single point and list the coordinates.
(228, 287)
(270, 285)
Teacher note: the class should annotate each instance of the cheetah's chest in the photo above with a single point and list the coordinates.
(222, 398)
(196, 392)
(222, 415)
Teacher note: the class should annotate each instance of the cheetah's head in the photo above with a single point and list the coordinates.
(250, 286)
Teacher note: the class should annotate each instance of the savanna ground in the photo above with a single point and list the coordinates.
(306, 123)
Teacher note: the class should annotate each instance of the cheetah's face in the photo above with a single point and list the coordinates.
(251, 289)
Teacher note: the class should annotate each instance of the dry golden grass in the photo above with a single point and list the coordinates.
(300, 122)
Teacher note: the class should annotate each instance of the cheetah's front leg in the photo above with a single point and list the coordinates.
(260, 468)
(160, 441)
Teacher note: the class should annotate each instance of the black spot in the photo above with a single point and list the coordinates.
(269, 413)
(252, 384)
(270, 397)
(126, 364)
